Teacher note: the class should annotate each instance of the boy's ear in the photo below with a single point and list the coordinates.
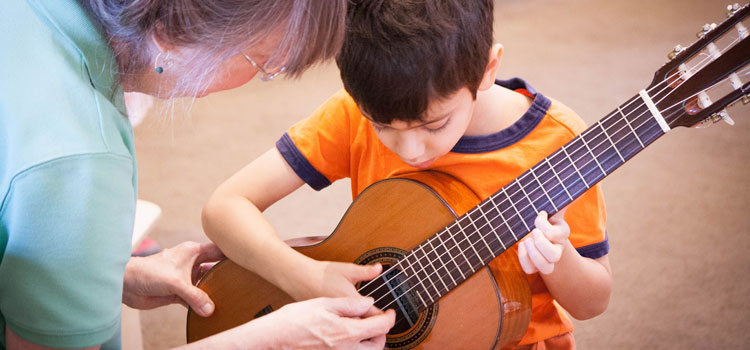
(488, 79)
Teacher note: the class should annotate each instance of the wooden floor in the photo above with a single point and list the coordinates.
(678, 223)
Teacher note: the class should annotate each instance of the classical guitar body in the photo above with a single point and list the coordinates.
(386, 221)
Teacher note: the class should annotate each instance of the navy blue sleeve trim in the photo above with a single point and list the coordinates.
(596, 250)
(300, 164)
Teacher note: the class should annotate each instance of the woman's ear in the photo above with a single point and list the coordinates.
(159, 38)
(488, 79)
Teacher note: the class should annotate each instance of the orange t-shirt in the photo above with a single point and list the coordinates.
(336, 141)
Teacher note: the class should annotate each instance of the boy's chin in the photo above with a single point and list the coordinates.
(422, 165)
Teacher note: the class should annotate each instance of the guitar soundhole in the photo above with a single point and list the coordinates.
(393, 290)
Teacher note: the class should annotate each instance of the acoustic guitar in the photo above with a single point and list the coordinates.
(435, 237)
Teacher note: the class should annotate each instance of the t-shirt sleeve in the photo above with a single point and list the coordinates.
(587, 218)
(318, 147)
(68, 224)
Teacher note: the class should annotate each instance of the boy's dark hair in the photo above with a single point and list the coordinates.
(398, 55)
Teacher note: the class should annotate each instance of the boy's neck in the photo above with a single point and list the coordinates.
(496, 109)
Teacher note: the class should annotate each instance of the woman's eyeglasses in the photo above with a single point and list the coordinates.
(267, 74)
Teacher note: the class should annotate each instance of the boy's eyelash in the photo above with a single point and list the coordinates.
(381, 128)
(440, 128)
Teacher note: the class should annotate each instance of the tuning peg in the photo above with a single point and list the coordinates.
(724, 115)
(732, 9)
(676, 51)
(705, 29)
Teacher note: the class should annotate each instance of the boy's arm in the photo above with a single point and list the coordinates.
(581, 285)
(233, 219)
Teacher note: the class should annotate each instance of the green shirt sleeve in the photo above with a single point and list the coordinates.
(68, 224)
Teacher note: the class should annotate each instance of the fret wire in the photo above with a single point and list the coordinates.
(542, 187)
(473, 223)
(419, 261)
(593, 155)
(527, 196)
(516, 209)
(447, 250)
(631, 127)
(565, 188)
(494, 230)
(461, 228)
(610, 140)
(429, 241)
(500, 214)
(458, 246)
(575, 167)
(419, 280)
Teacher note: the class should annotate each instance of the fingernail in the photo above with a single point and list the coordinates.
(207, 309)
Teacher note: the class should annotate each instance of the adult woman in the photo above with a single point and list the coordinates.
(67, 166)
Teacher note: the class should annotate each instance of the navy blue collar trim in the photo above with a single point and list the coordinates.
(513, 133)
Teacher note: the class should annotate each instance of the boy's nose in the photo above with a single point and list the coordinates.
(410, 148)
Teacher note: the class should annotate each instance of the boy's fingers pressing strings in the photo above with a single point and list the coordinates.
(523, 258)
(551, 252)
(537, 258)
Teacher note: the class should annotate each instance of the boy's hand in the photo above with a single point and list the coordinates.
(543, 247)
(335, 279)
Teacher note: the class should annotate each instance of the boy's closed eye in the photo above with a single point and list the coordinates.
(433, 126)
(437, 125)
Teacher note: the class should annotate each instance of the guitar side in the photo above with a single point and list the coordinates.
(389, 218)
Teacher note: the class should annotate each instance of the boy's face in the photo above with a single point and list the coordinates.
(420, 143)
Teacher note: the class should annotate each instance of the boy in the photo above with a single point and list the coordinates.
(420, 93)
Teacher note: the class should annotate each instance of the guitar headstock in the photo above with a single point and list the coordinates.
(699, 82)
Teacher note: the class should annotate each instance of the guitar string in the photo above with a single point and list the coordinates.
(531, 201)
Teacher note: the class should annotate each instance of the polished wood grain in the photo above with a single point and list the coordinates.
(484, 312)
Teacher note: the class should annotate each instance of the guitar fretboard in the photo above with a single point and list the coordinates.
(439, 264)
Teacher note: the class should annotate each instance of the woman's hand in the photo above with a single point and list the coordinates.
(543, 247)
(330, 323)
(169, 277)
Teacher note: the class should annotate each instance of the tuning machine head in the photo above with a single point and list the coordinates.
(715, 118)
(676, 51)
(732, 9)
(705, 29)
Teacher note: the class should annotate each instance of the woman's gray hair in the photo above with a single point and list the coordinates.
(310, 31)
